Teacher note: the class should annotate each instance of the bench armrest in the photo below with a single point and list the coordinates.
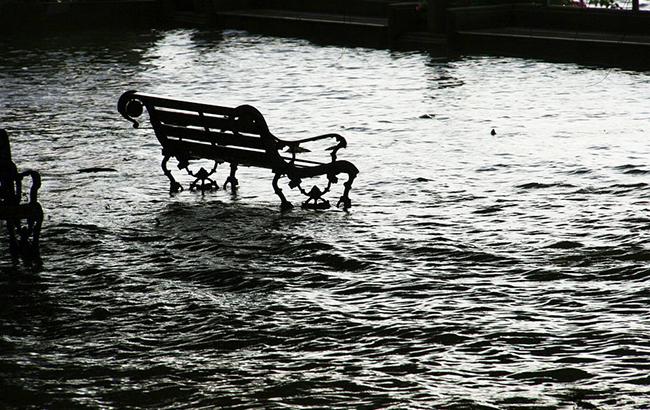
(294, 146)
(33, 190)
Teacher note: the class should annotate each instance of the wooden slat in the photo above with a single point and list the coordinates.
(220, 138)
(152, 101)
(210, 121)
(221, 153)
(205, 131)
(193, 118)
(240, 156)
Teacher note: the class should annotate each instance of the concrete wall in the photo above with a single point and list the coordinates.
(478, 17)
(558, 18)
(590, 19)
(18, 16)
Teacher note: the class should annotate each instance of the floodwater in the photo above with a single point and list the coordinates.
(474, 271)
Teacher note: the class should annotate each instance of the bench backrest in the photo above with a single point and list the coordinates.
(11, 181)
(189, 129)
(8, 172)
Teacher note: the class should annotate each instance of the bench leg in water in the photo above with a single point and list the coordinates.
(285, 205)
(36, 238)
(345, 199)
(174, 186)
(232, 180)
(316, 195)
(14, 248)
(24, 239)
(202, 180)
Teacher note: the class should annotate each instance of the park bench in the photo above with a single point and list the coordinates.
(23, 218)
(191, 131)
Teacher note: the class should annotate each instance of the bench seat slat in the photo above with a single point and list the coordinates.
(220, 153)
(153, 101)
(188, 119)
(220, 138)
(182, 118)
(229, 154)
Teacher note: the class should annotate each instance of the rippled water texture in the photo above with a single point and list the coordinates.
(473, 271)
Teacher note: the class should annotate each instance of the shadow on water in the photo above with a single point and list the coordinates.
(27, 310)
(230, 246)
(244, 246)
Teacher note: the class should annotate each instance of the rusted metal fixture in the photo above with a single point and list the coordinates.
(190, 131)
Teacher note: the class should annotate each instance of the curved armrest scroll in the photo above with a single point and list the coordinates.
(130, 106)
(294, 146)
(33, 190)
(282, 143)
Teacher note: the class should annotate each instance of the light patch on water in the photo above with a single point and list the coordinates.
(505, 271)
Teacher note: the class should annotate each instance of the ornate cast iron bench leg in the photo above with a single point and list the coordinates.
(174, 186)
(316, 195)
(345, 199)
(285, 205)
(203, 182)
(36, 249)
(315, 198)
(29, 236)
(232, 180)
(14, 247)
(24, 238)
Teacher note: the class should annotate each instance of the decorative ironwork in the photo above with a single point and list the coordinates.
(202, 180)
(23, 219)
(232, 180)
(239, 136)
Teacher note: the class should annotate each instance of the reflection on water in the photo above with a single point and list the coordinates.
(474, 271)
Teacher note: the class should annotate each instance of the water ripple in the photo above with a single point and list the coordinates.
(474, 271)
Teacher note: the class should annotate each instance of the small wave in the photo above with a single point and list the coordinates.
(626, 188)
(637, 220)
(637, 172)
(642, 381)
(143, 238)
(475, 256)
(540, 185)
(431, 250)
(491, 209)
(636, 256)
(626, 167)
(540, 275)
(563, 375)
(492, 168)
(443, 253)
(421, 179)
(579, 171)
(305, 248)
(338, 262)
(592, 191)
(565, 245)
(402, 369)
(464, 404)
(94, 170)
(449, 339)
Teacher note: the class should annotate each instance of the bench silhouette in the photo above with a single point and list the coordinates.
(239, 136)
(23, 219)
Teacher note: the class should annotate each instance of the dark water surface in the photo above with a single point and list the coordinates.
(474, 271)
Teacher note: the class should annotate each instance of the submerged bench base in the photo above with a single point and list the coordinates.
(23, 219)
(189, 131)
